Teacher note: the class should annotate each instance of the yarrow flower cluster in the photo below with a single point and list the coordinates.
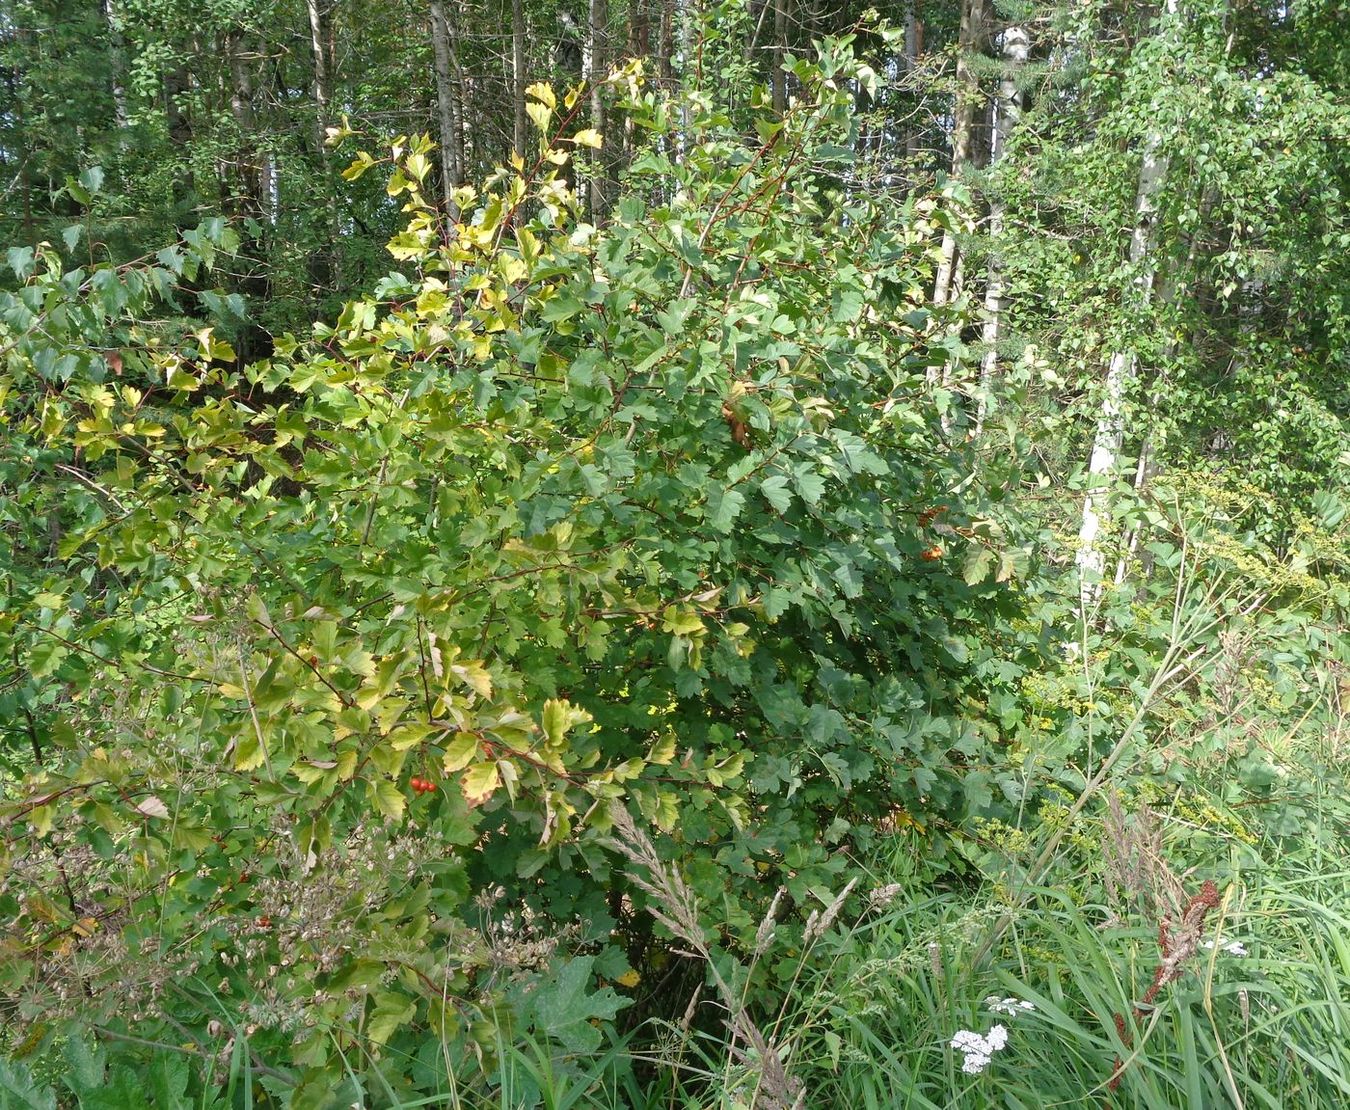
(1010, 1006)
(978, 1050)
(1231, 947)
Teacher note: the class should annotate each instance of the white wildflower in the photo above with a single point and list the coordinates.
(966, 1041)
(1010, 1006)
(1231, 947)
(974, 1063)
(979, 1050)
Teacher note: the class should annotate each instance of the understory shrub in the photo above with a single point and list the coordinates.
(324, 674)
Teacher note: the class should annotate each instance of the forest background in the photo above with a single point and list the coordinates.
(674, 554)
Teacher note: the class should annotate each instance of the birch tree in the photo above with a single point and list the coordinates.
(1122, 370)
(597, 63)
(1016, 46)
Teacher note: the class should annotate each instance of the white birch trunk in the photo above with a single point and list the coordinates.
(597, 64)
(1007, 109)
(1122, 369)
(947, 284)
(321, 49)
(321, 74)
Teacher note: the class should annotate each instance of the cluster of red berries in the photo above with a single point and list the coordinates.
(421, 786)
(928, 515)
(931, 553)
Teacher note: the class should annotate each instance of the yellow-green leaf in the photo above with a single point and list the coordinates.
(386, 797)
(475, 676)
(559, 717)
(391, 1011)
(541, 115)
(543, 93)
(460, 752)
(480, 782)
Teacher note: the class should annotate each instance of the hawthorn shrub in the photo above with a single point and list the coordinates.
(322, 675)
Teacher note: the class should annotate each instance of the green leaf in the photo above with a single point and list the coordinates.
(809, 484)
(85, 1064)
(21, 261)
(724, 506)
(92, 178)
(387, 798)
(168, 1076)
(474, 675)
(776, 492)
(977, 564)
(559, 717)
(391, 1011)
(564, 1008)
(19, 1091)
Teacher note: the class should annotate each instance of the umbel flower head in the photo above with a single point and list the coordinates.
(979, 1050)
(1010, 1006)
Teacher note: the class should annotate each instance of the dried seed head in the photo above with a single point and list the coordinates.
(764, 934)
(817, 927)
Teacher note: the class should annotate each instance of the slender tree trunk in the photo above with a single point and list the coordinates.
(176, 86)
(447, 109)
(248, 178)
(777, 76)
(598, 66)
(963, 116)
(323, 58)
(665, 48)
(322, 87)
(913, 52)
(117, 70)
(1122, 370)
(247, 203)
(1007, 109)
(519, 132)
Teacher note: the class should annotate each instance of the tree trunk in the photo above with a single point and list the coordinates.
(447, 108)
(597, 71)
(777, 76)
(519, 128)
(1007, 108)
(117, 70)
(913, 52)
(176, 86)
(1122, 370)
(246, 203)
(322, 87)
(322, 57)
(248, 175)
(665, 45)
(964, 105)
